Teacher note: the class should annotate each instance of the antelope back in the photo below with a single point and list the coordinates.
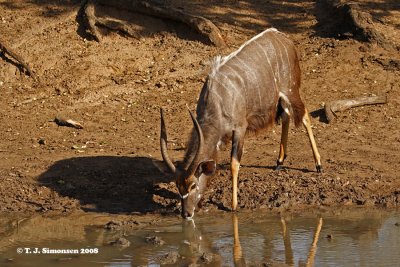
(247, 84)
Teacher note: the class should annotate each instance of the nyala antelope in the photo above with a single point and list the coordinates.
(245, 91)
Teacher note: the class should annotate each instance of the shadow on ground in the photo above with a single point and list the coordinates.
(106, 183)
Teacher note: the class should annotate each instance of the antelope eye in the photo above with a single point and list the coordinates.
(192, 187)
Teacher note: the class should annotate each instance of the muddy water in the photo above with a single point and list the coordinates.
(345, 238)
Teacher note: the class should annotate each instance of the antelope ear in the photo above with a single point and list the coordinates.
(208, 167)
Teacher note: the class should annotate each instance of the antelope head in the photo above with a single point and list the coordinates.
(191, 181)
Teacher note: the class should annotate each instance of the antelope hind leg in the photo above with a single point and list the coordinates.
(284, 137)
(307, 125)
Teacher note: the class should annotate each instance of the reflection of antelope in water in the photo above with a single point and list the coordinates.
(199, 243)
(237, 248)
(238, 258)
(196, 245)
(245, 91)
(288, 246)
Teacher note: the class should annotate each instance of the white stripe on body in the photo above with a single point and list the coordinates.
(220, 61)
(270, 65)
(287, 57)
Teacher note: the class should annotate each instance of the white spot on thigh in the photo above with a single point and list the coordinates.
(286, 103)
(219, 145)
(284, 97)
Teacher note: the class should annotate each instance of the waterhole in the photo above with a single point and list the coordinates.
(341, 238)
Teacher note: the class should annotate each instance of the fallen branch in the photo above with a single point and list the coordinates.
(202, 25)
(7, 50)
(341, 105)
(61, 121)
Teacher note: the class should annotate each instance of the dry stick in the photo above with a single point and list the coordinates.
(61, 121)
(18, 58)
(202, 25)
(341, 105)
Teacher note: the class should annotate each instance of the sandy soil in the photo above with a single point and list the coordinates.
(115, 88)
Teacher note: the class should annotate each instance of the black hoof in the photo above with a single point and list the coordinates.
(279, 164)
(319, 168)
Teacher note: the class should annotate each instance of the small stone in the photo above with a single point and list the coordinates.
(42, 141)
(161, 84)
(155, 240)
(169, 258)
(120, 242)
(206, 258)
(329, 237)
(112, 225)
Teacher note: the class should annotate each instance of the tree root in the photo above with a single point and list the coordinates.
(342, 105)
(8, 51)
(343, 17)
(90, 19)
(202, 25)
(116, 25)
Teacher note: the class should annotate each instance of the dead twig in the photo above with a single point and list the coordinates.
(341, 105)
(61, 121)
(8, 51)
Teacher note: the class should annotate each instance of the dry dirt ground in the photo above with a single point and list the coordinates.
(115, 89)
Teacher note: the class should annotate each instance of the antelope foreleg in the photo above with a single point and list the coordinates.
(236, 154)
(307, 125)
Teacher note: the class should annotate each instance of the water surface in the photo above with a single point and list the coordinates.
(346, 238)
